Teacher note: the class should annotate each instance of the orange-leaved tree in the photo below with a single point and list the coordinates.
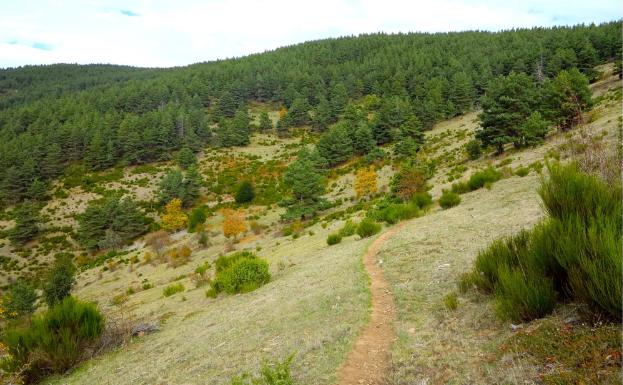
(365, 182)
(233, 222)
(173, 217)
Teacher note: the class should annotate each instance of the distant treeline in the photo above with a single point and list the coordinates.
(104, 115)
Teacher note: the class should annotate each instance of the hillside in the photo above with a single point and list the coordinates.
(365, 174)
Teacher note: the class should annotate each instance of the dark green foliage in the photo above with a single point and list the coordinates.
(533, 130)
(336, 145)
(26, 226)
(114, 218)
(245, 192)
(186, 158)
(449, 199)
(392, 212)
(363, 139)
(334, 239)
(422, 199)
(307, 186)
(20, 300)
(368, 228)
(349, 228)
(574, 254)
(480, 178)
(185, 187)
(196, 217)
(106, 114)
(265, 123)
(298, 113)
(59, 280)
(508, 102)
(567, 97)
(240, 273)
(474, 149)
(54, 342)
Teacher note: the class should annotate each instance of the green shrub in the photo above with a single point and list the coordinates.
(60, 280)
(368, 228)
(55, 340)
(522, 171)
(271, 373)
(470, 280)
(348, 229)
(392, 213)
(474, 149)
(196, 217)
(20, 300)
(223, 262)
(450, 301)
(245, 273)
(480, 178)
(334, 239)
(523, 294)
(245, 193)
(460, 187)
(173, 289)
(449, 199)
(422, 199)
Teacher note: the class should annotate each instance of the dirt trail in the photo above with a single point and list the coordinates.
(369, 360)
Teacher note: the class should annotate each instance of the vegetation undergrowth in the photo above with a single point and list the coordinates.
(240, 272)
(574, 254)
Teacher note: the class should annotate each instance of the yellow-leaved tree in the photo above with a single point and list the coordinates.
(173, 217)
(365, 182)
(233, 222)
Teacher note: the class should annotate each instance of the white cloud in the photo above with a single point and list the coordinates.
(167, 33)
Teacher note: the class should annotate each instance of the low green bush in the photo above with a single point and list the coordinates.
(334, 239)
(392, 212)
(480, 178)
(348, 229)
(245, 273)
(368, 228)
(173, 289)
(522, 171)
(449, 199)
(223, 262)
(422, 199)
(450, 301)
(271, 373)
(575, 254)
(54, 341)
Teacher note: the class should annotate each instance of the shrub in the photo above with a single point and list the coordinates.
(449, 199)
(173, 289)
(480, 178)
(334, 239)
(242, 275)
(348, 229)
(59, 281)
(522, 171)
(368, 228)
(223, 262)
(55, 340)
(422, 199)
(473, 149)
(460, 187)
(450, 301)
(20, 300)
(196, 217)
(523, 294)
(271, 373)
(245, 193)
(179, 256)
(392, 212)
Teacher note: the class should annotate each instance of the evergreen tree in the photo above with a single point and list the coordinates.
(298, 114)
(59, 281)
(186, 158)
(192, 186)
(53, 164)
(227, 105)
(171, 187)
(335, 145)
(363, 139)
(506, 105)
(322, 115)
(462, 92)
(307, 186)
(567, 97)
(245, 192)
(265, 122)
(392, 114)
(533, 130)
(26, 226)
(339, 99)
(20, 300)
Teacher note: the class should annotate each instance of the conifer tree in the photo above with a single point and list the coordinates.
(27, 222)
(265, 123)
(186, 158)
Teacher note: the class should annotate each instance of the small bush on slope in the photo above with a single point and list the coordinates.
(574, 254)
(349, 229)
(368, 228)
(449, 199)
(244, 272)
(334, 239)
(478, 180)
(271, 373)
(55, 340)
(392, 213)
(172, 289)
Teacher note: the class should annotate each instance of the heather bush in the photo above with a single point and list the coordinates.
(368, 228)
(241, 273)
(334, 239)
(449, 199)
(173, 289)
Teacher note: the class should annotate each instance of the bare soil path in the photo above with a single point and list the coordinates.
(369, 361)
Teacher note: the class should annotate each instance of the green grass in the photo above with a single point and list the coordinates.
(173, 289)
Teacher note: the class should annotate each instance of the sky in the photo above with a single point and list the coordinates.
(165, 33)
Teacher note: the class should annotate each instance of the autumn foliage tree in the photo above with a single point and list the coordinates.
(233, 222)
(173, 217)
(410, 180)
(365, 182)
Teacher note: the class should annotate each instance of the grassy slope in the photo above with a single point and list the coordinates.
(317, 302)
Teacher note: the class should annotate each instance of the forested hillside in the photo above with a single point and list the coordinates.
(101, 115)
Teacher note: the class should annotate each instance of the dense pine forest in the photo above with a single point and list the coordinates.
(103, 115)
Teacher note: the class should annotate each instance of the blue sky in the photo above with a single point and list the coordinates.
(162, 33)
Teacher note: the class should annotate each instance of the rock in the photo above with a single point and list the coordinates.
(571, 320)
(144, 328)
(516, 327)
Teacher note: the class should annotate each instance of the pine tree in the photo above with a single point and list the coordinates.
(191, 186)
(245, 192)
(171, 186)
(27, 222)
(339, 99)
(322, 115)
(335, 145)
(186, 158)
(567, 96)
(534, 129)
(298, 114)
(59, 281)
(265, 122)
(363, 139)
(227, 105)
(462, 92)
